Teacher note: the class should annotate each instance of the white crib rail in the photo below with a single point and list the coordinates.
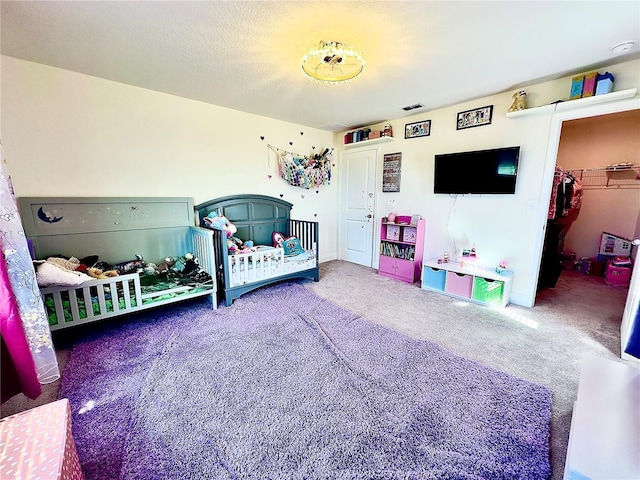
(202, 240)
(118, 288)
(249, 267)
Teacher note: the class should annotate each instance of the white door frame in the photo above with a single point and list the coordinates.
(342, 210)
(630, 309)
(550, 164)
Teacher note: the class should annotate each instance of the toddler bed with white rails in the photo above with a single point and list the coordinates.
(116, 229)
(257, 218)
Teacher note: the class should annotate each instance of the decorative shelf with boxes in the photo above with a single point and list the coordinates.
(468, 281)
(574, 104)
(367, 136)
(401, 246)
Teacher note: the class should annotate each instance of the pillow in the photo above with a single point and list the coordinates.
(292, 247)
(48, 274)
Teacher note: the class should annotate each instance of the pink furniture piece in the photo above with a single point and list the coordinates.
(459, 284)
(401, 247)
(617, 276)
(38, 444)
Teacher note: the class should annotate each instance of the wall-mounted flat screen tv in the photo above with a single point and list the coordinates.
(483, 171)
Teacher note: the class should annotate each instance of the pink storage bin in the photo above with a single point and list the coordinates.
(459, 284)
(617, 276)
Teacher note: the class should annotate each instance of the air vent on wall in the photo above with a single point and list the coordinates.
(412, 107)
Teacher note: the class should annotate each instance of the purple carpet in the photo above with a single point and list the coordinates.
(284, 384)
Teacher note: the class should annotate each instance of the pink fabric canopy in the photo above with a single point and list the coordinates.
(16, 344)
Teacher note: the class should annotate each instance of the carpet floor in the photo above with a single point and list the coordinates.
(285, 384)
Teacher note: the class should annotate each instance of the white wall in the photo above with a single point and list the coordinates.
(501, 226)
(67, 134)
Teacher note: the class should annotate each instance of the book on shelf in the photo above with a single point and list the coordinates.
(397, 251)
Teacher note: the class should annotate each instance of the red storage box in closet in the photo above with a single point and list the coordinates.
(459, 284)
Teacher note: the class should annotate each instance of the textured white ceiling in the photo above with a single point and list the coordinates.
(246, 55)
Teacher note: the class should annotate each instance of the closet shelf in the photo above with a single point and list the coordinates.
(617, 177)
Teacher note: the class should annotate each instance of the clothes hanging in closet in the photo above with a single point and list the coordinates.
(566, 195)
(564, 206)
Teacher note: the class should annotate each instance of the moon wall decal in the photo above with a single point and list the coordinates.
(46, 218)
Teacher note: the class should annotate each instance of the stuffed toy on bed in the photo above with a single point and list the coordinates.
(166, 264)
(290, 245)
(220, 223)
(99, 274)
(130, 266)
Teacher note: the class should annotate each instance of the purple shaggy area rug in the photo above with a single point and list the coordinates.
(284, 384)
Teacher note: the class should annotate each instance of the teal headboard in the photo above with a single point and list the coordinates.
(115, 228)
(256, 216)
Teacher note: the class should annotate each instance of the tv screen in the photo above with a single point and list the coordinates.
(484, 171)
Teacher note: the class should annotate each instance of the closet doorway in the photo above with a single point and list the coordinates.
(610, 202)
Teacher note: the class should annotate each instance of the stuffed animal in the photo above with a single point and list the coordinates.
(130, 266)
(239, 242)
(518, 101)
(191, 264)
(99, 274)
(232, 247)
(70, 264)
(150, 269)
(184, 264)
(166, 264)
(220, 223)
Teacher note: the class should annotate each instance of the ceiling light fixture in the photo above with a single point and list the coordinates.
(332, 63)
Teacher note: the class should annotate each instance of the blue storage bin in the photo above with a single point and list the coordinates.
(433, 278)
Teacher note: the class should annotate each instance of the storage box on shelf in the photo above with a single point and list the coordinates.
(367, 136)
(470, 282)
(401, 245)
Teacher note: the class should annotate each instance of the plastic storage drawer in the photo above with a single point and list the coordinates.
(617, 276)
(433, 278)
(459, 284)
(488, 291)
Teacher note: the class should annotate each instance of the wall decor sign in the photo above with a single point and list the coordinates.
(391, 172)
(475, 118)
(417, 129)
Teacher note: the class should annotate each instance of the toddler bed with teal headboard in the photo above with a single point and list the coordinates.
(115, 230)
(257, 218)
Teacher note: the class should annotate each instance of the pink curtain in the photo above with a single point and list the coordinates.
(26, 343)
(21, 372)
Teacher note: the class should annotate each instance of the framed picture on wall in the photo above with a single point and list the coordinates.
(391, 169)
(475, 118)
(417, 129)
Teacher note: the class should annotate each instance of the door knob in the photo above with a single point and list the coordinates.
(369, 216)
